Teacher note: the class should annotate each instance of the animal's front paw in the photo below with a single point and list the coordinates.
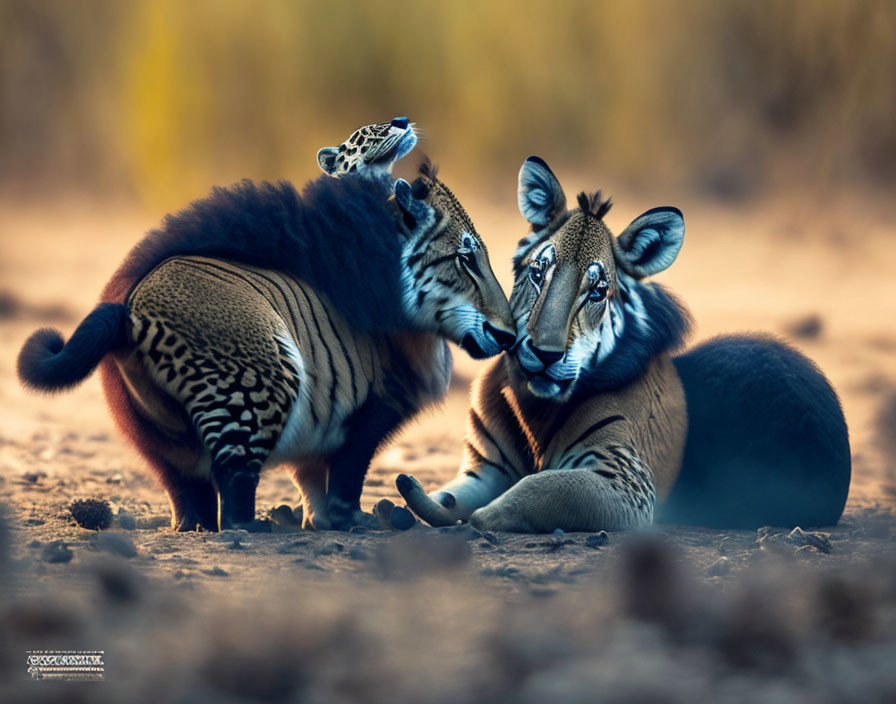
(436, 508)
(495, 517)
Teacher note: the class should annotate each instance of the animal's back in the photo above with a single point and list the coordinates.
(767, 441)
(203, 323)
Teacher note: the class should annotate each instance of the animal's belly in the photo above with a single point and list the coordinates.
(315, 424)
(304, 436)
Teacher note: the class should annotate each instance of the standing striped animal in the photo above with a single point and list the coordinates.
(262, 327)
(590, 423)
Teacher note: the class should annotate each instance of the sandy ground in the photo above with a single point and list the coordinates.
(682, 615)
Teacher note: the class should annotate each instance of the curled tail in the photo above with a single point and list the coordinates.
(48, 363)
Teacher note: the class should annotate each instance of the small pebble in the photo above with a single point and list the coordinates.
(92, 514)
(236, 545)
(216, 572)
(596, 540)
(56, 552)
(559, 531)
(818, 541)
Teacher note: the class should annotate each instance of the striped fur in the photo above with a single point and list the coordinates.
(585, 424)
(221, 358)
(266, 372)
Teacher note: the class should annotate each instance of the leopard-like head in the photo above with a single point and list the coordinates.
(371, 151)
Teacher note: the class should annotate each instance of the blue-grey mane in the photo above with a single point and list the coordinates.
(668, 326)
(338, 235)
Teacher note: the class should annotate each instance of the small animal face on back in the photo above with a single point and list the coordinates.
(577, 291)
(371, 150)
(449, 286)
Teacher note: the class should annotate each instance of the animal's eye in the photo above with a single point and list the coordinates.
(536, 272)
(467, 243)
(599, 292)
(598, 283)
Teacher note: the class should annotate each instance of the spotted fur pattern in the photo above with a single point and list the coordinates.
(370, 151)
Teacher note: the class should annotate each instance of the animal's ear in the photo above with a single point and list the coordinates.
(326, 157)
(412, 202)
(651, 242)
(540, 196)
(403, 194)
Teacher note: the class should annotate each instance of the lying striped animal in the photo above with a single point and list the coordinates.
(590, 423)
(261, 327)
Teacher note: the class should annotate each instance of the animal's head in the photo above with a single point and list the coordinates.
(371, 150)
(577, 297)
(448, 283)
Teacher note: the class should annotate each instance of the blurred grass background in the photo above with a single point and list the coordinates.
(152, 101)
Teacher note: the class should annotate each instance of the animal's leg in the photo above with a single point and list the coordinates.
(616, 494)
(239, 443)
(496, 456)
(369, 426)
(172, 456)
(478, 483)
(311, 479)
(236, 483)
(239, 412)
(194, 504)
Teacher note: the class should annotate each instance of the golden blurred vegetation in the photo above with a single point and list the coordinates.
(157, 99)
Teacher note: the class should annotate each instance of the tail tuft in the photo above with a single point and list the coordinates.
(48, 363)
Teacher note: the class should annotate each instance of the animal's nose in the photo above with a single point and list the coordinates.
(504, 339)
(546, 357)
(400, 122)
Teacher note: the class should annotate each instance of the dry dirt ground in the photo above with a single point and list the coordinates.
(683, 614)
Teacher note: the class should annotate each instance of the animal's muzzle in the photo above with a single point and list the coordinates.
(503, 338)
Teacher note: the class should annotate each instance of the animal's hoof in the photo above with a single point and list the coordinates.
(402, 519)
(406, 484)
(382, 510)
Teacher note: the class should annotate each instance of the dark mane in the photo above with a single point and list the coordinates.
(594, 204)
(668, 327)
(338, 235)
